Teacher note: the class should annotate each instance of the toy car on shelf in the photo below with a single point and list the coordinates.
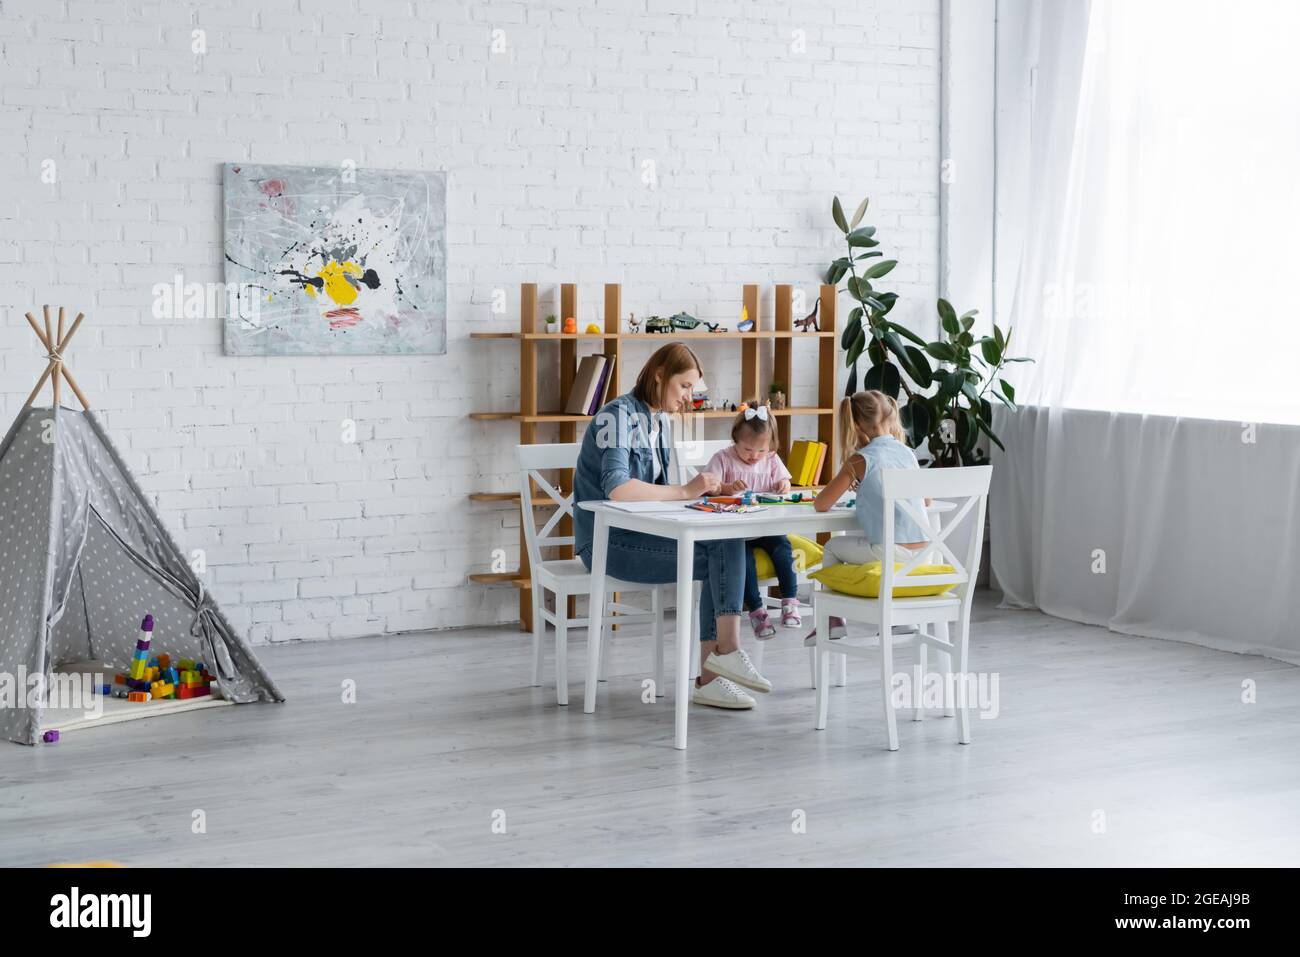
(683, 322)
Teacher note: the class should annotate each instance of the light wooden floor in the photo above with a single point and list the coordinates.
(445, 732)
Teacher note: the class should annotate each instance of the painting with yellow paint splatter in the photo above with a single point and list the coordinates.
(341, 261)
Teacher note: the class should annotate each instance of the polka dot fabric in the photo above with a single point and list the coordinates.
(82, 549)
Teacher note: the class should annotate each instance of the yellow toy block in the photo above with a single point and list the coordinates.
(161, 689)
(137, 670)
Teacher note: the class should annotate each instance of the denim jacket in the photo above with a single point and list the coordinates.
(615, 449)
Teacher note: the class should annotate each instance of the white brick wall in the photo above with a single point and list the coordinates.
(308, 537)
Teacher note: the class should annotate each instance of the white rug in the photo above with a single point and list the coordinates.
(115, 710)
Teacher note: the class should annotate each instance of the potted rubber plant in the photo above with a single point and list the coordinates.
(949, 384)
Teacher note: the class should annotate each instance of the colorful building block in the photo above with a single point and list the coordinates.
(137, 669)
(138, 696)
(164, 662)
(119, 679)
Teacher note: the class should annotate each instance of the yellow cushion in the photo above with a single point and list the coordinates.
(864, 580)
(807, 553)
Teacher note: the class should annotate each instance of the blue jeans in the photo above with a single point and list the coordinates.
(652, 560)
(778, 549)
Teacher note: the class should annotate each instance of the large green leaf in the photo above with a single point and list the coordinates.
(862, 237)
(855, 351)
(881, 268)
(968, 432)
(851, 383)
(916, 420)
(919, 368)
(851, 329)
(884, 377)
(836, 271)
(991, 350)
(837, 211)
(905, 332)
(859, 212)
(942, 351)
(952, 384)
(1008, 390)
(949, 324)
(874, 254)
(992, 438)
(947, 314)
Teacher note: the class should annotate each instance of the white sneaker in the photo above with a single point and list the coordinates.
(721, 693)
(737, 666)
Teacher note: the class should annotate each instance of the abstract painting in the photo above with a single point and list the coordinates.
(335, 261)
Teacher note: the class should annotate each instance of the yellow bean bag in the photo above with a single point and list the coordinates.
(864, 580)
(807, 553)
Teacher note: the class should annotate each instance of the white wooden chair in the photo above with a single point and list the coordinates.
(688, 458)
(568, 577)
(968, 487)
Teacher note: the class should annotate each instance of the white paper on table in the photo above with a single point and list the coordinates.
(648, 506)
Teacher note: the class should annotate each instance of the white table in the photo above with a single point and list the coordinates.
(687, 526)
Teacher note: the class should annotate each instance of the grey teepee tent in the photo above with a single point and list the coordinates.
(84, 556)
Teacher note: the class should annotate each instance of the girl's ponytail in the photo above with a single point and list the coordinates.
(848, 437)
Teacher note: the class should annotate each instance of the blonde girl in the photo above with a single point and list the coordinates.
(872, 437)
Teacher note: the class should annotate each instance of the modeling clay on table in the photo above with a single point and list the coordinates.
(725, 506)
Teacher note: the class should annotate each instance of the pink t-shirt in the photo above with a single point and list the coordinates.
(763, 476)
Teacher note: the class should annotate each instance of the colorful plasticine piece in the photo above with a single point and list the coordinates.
(49, 737)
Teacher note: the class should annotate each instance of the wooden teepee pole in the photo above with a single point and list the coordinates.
(57, 366)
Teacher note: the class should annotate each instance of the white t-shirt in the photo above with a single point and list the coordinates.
(654, 447)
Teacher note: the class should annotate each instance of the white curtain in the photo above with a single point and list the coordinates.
(1163, 210)
(1152, 483)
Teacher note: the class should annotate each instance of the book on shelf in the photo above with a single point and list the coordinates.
(586, 385)
(817, 468)
(605, 387)
(805, 462)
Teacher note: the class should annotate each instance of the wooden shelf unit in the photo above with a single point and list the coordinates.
(529, 416)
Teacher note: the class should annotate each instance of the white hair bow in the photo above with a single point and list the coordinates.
(756, 412)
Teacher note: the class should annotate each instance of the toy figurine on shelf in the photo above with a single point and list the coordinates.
(570, 325)
(700, 402)
(746, 324)
(776, 395)
(658, 324)
(552, 325)
(633, 323)
(809, 322)
(715, 327)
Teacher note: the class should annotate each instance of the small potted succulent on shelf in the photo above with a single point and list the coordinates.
(552, 324)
